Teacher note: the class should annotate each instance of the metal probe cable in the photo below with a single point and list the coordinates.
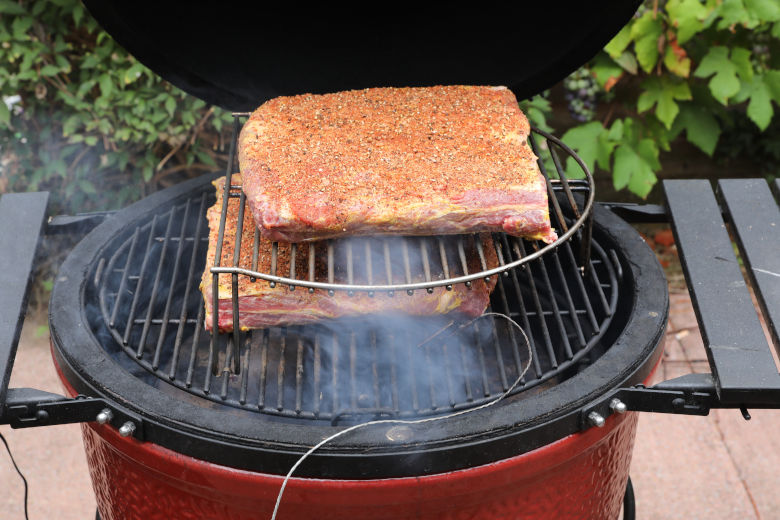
(8, 449)
(417, 421)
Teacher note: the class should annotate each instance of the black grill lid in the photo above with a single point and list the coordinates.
(236, 58)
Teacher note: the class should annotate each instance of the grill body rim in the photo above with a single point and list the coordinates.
(470, 440)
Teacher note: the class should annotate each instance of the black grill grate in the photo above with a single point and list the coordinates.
(348, 369)
(563, 296)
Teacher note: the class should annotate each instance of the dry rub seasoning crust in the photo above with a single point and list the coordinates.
(434, 160)
(261, 306)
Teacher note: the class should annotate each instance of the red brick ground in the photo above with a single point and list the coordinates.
(714, 467)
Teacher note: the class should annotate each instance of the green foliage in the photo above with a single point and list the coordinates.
(537, 109)
(86, 120)
(82, 118)
(684, 69)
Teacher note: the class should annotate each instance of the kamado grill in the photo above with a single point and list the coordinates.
(180, 423)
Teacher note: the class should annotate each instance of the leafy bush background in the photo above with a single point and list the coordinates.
(90, 123)
(86, 121)
(707, 71)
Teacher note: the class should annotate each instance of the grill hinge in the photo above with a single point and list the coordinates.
(691, 394)
(28, 407)
(637, 213)
(81, 223)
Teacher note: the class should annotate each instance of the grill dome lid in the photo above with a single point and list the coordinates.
(238, 57)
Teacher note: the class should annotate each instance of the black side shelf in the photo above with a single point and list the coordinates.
(743, 369)
(744, 374)
(21, 222)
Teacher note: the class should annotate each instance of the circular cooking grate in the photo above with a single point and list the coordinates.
(436, 271)
(347, 369)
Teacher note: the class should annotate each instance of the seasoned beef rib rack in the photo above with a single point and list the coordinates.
(433, 266)
(437, 160)
(262, 306)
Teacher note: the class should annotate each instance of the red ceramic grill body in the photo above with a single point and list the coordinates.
(533, 455)
(582, 476)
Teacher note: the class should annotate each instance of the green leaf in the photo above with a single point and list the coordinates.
(11, 7)
(104, 126)
(205, 158)
(628, 62)
(642, 182)
(772, 81)
(759, 109)
(5, 114)
(764, 10)
(712, 62)
(106, 85)
(20, 26)
(740, 57)
(618, 44)
(188, 118)
(71, 124)
(616, 131)
(623, 166)
(62, 63)
(700, 126)
(38, 8)
(87, 187)
(57, 166)
(584, 140)
(49, 70)
(85, 87)
(687, 16)
(663, 93)
(78, 14)
(679, 65)
(657, 132)
(776, 30)
(170, 105)
(90, 61)
(632, 170)
(59, 44)
(91, 140)
(645, 32)
(733, 12)
(648, 151)
(724, 82)
(604, 151)
(605, 70)
(133, 73)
